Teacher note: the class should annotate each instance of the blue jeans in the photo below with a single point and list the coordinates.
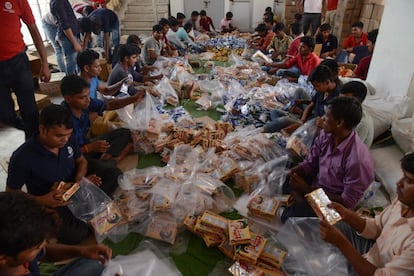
(282, 72)
(70, 55)
(51, 31)
(81, 267)
(313, 19)
(115, 37)
(279, 120)
(16, 76)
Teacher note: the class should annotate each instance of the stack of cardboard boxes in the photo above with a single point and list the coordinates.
(347, 13)
(371, 14)
(289, 15)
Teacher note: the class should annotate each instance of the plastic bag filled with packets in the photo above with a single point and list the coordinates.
(301, 140)
(146, 125)
(168, 94)
(93, 206)
(238, 241)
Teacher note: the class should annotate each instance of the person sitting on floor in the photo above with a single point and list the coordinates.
(263, 40)
(206, 23)
(50, 156)
(328, 40)
(173, 38)
(90, 67)
(326, 90)
(363, 66)
(383, 245)
(181, 19)
(225, 24)
(305, 61)
(338, 161)
(356, 39)
(365, 128)
(114, 145)
(280, 43)
(23, 244)
(128, 57)
(153, 46)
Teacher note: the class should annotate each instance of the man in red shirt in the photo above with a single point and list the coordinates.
(306, 60)
(15, 73)
(358, 37)
(297, 33)
(206, 22)
(265, 38)
(363, 65)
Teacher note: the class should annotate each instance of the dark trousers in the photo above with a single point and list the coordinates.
(311, 19)
(16, 76)
(107, 171)
(72, 230)
(118, 140)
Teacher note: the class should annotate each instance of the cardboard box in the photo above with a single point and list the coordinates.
(366, 23)
(290, 11)
(53, 86)
(106, 70)
(377, 12)
(367, 10)
(350, 4)
(373, 24)
(41, 101)
(347, 17)
(377, 2)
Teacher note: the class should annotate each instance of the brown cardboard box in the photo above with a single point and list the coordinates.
(366, 23)
(347, 17)
(377, 12)
(106, 70)
(53, 86)
(373, 24)
(377, 2)
(290, 11)
(41, 101)
(350, 4)
(366, 10)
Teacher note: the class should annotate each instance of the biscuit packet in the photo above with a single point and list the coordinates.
(107, 219)
(190, 223)
(263, 206)
(200, 228)
(239, 232)
(162, 229)
(272, 255)
(212, 240)
(227, 249)
(240, 268)
(269, 270)
(66, 190)
(319, 202)
(214, 221)
(251, 252)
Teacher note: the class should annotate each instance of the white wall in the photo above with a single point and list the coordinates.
(392, 65)
(177, 6)
(258, 10)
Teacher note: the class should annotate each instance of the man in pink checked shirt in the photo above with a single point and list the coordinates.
(383, 245)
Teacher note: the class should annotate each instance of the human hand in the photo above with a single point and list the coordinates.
(95, 179)
(98, 252)
(148, 83)
(53, 199)
(99, 146)
(298, 184)
(140, 95)
(77, 46)
(344, 212)
(154, 93)
(325, 55)
(272, 71)
(331, 234)
(44, 73)
(319, 122)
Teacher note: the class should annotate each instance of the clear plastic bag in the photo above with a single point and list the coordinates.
(147, 261)
(301, 140)
(308, 254)
(374, 197)
(140, 178)
(168, 94)
(88, 201)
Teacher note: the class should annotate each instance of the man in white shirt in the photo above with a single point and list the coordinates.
(313, 13)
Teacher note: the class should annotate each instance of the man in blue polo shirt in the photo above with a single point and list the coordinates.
(49, 157)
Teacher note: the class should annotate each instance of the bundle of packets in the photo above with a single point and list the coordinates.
(65, 190)
(107, 219)
(319, 202)
(240, 268)
(235, 240)
(265, 206)
(162, 229)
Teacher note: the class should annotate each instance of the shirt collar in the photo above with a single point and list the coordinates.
(341, 147)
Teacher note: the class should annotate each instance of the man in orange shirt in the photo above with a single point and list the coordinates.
(265, 38)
